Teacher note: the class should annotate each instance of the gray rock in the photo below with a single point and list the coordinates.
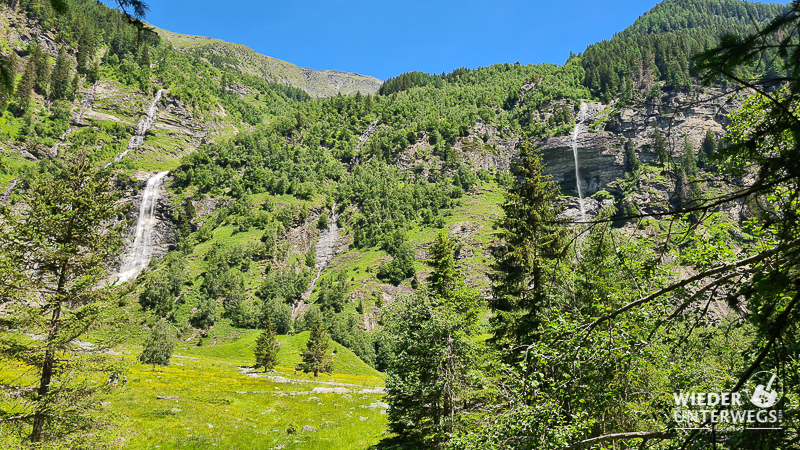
(309, 429)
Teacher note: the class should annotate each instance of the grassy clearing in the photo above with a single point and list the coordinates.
(219, 406)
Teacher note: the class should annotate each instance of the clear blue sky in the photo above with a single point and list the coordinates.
(384, 39)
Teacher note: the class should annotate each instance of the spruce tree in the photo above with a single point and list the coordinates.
(315, 355)
(445, 275)
(54, 253)
(26, 85)
(532, 236)
(432, 336)
(59, 87)
(707, 149)
(73, 87)
(42, 66)
(660, 146)
(158, 346)
(8, 72)
(266, 351)
(87, 47)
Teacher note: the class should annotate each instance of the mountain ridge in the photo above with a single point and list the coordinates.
(223, 54)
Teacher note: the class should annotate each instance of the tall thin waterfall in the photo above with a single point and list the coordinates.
(138, 257)
(579, 128)
(144, 124)
(326, 250)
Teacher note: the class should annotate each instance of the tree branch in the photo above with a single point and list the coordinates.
(711, 272)
(646, 435)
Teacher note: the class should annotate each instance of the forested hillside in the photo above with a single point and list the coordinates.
(513, 256)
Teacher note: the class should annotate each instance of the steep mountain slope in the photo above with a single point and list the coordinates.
(261, 176)
(318, 83)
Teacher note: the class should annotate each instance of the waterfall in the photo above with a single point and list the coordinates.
(579, 128)
(326, 250)
(138, 257)
(141, 128)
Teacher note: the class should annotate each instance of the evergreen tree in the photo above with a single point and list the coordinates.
(631, 159)
(660, 146)
(42, 66)
(707, 149)
(432, 334)
(315, 355)
(159, 345)
(445, 275)
(266, 351)
(87, 47)
(532, 236)
(26, 85)
(73, 87)
(59, 87)
(54, 253)
(8, 68)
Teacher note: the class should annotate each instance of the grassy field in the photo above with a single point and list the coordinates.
(221, 404)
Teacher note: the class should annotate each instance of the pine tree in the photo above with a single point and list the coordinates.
(707, 149)
(532, 237)
(73, 87)
(315, 355)
(660, 146)
(444, 276)
(8, 68)
(42, 66)
(432, 336)
(266, 351)
(54, 253)
(26, 85)
(158, 346)
(59, 87)
(87, 47)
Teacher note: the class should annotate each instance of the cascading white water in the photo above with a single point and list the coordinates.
(326, 250)
(144, 124)
(579, 128)
(138, 257)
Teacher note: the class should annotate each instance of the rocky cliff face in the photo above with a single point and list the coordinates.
(601, 153)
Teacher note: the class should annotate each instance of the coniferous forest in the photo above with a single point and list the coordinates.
(202, 247)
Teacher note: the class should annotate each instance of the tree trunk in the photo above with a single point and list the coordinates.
(47, 375)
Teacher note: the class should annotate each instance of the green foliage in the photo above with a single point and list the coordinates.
(315, 355)
(333, 292)
(279, 313)
(266, 351)
(532, 239)
(286, 284)
(658, 47)
(55, 248)
(25, 86)
(206, 314)
(401, 266)
(59, 86)
(162, 287)
(159, 345)
(42, 70)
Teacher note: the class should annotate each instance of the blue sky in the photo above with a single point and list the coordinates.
(384, 39)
